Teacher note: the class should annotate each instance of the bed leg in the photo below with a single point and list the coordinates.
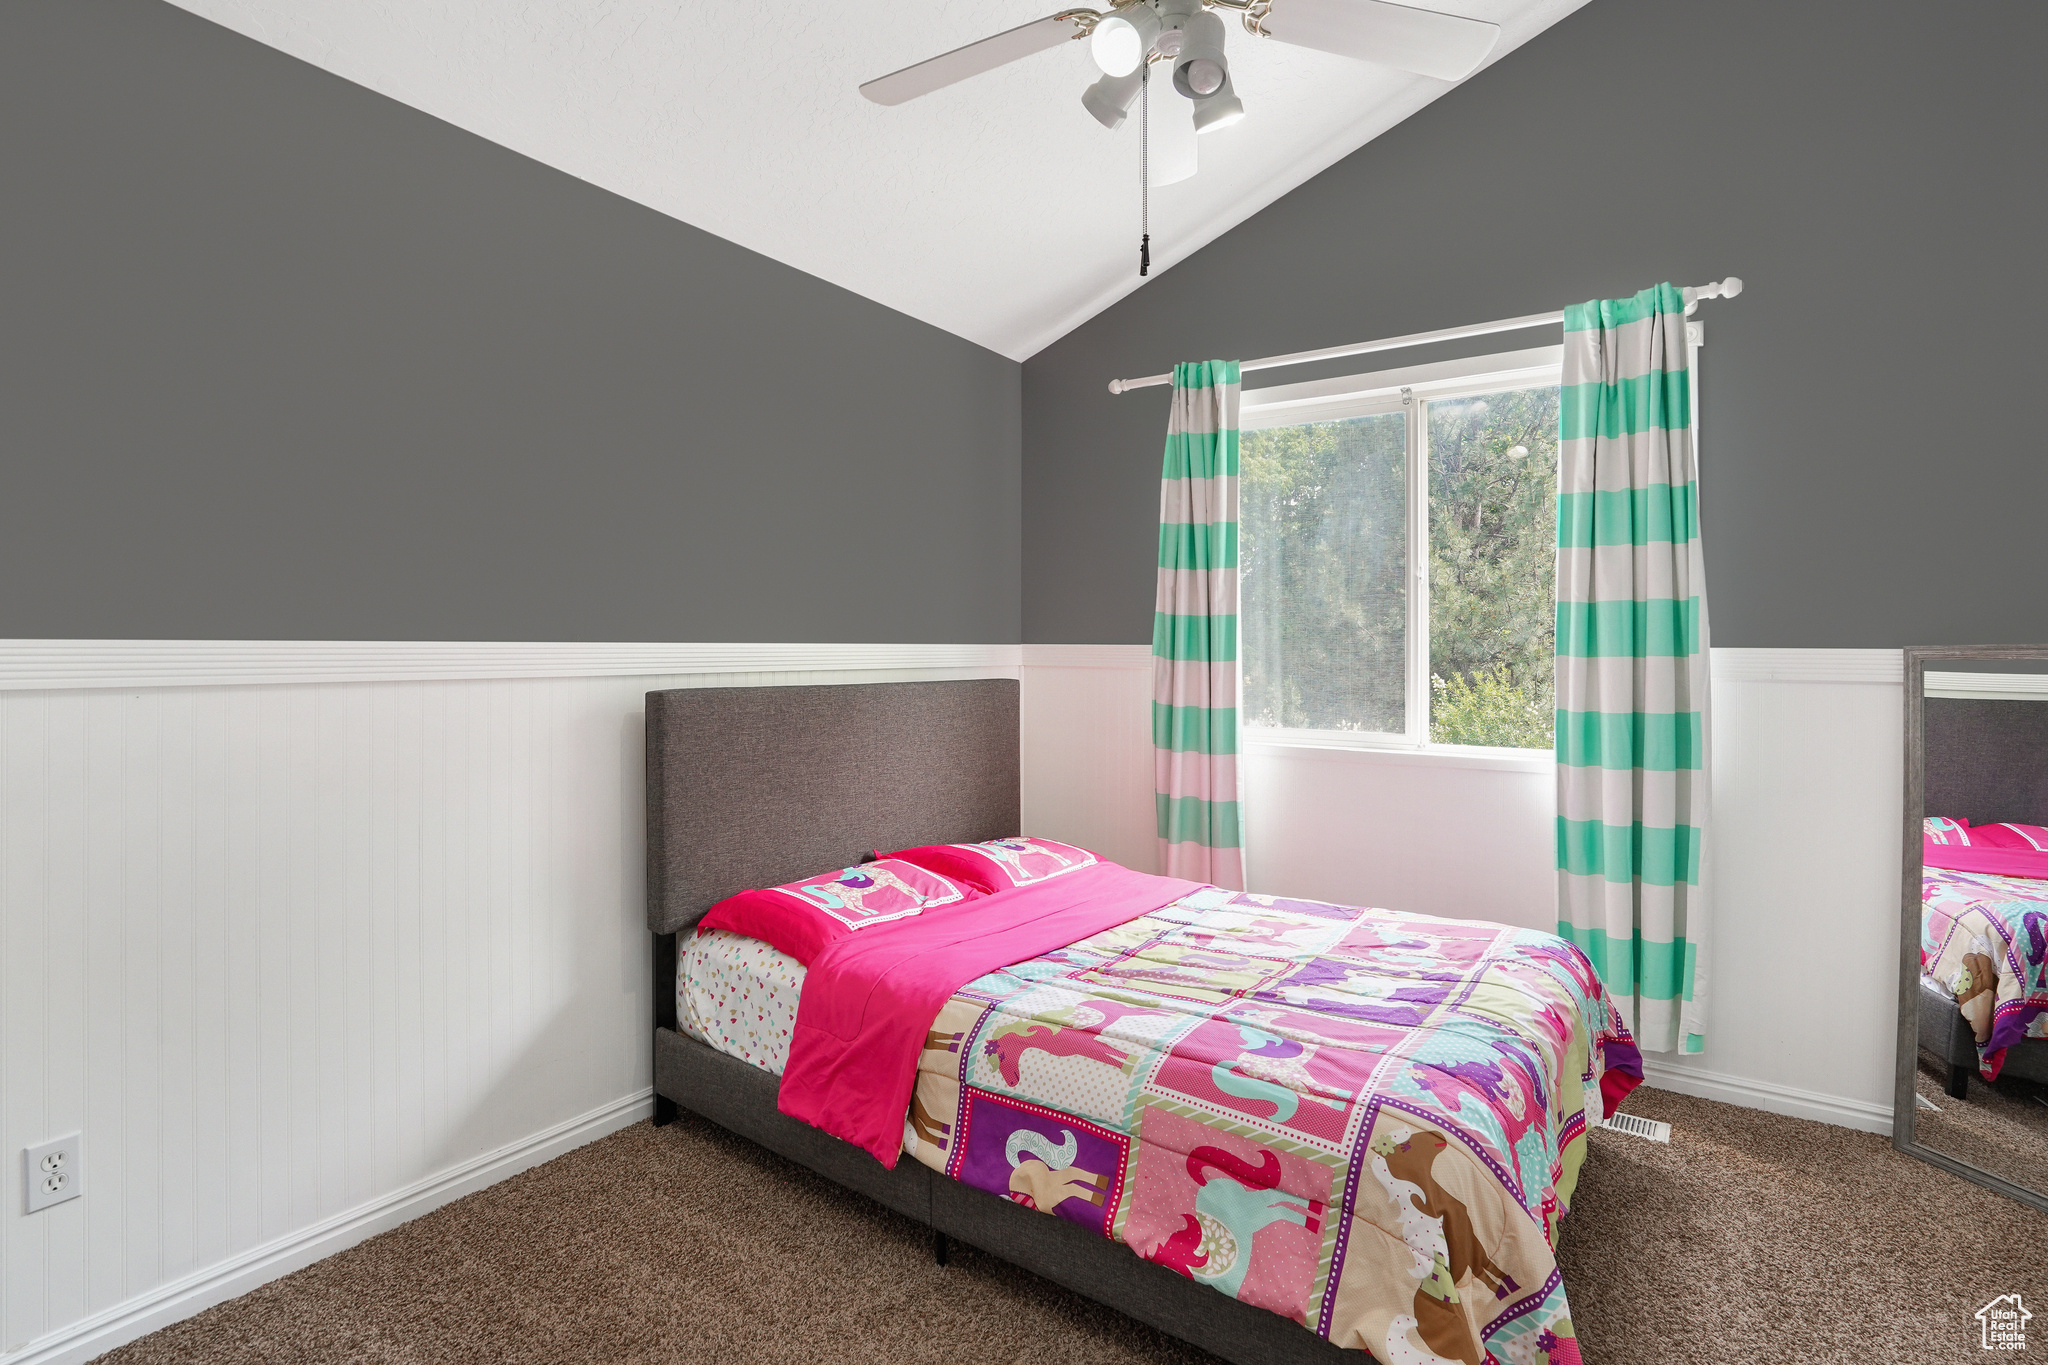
(938, 1246)
(666, 1111)
(1958, 1082)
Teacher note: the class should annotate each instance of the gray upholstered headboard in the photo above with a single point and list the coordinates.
(752, 786)
(1986, 760)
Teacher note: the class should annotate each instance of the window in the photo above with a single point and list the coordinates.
(1398, 537)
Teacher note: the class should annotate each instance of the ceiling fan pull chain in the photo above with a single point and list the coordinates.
(1145, 171)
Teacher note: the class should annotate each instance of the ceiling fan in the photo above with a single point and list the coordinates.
(1127, 39)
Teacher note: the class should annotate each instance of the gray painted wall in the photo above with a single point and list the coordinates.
(283, 359)
(1873, 470)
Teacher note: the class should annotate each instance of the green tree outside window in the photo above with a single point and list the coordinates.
(1324, 557)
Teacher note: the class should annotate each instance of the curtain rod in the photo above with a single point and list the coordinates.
(1719, 289)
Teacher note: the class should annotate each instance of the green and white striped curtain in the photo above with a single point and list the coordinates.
(1632, 665)
(1194, 633)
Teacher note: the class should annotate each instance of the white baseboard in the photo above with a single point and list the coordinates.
(181, 1298)
(1839, 1110)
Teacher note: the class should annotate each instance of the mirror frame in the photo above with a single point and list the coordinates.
(1904, 1106)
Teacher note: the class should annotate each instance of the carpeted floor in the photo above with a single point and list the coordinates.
(1752, 1238)
(2002, 1127)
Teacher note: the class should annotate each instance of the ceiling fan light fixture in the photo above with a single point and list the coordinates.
(1219, 110)
(1122, 38)
(1110, 99)
(1200, 70)
(1203, 77)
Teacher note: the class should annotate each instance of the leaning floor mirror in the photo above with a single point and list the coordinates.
(1973, 992)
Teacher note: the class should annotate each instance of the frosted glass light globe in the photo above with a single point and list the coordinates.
(1205, 77)
(1120, 41)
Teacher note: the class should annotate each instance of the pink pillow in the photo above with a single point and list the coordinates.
(2032, 837)
(1000, 864)
(801, 918)
(1940, 829)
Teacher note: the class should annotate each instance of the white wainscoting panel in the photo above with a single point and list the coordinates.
(1803, 868)
(1404, 831)
(303, 959)
(1804, 848)
(1087, 764)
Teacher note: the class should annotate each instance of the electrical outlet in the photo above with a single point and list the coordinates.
(55, 1171)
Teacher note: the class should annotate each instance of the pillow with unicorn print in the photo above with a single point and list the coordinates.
(1000, 864)
(801, 918)
(1941, 830)
(2009, 835)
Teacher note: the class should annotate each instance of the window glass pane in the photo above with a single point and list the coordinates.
(1323, 549)
(1493, 568)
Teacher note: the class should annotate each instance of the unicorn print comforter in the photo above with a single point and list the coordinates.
(1364, 1121)
(1984, 941)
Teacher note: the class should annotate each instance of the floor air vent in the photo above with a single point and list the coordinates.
(1642, 1128)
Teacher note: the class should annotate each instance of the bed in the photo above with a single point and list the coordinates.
(1983, 997)
(1360, 1127)
(1984, 966)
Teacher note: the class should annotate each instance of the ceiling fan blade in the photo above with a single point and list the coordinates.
(972, 60)
(1173, 154)
(1449, 47)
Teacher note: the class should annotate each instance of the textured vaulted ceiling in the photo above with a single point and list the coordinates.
(996, 209)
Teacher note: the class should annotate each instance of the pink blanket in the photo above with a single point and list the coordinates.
(870, 997)
(2005, 862)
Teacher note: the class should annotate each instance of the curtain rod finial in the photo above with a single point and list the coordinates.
(1116, 386)
(1730, 287)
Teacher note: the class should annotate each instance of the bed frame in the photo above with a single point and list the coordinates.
(753, 786)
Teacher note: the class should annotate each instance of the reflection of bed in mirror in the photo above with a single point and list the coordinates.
(1972, 1061)
(1984, 936)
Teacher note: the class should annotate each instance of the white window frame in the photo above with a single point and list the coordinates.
(1403, 390)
